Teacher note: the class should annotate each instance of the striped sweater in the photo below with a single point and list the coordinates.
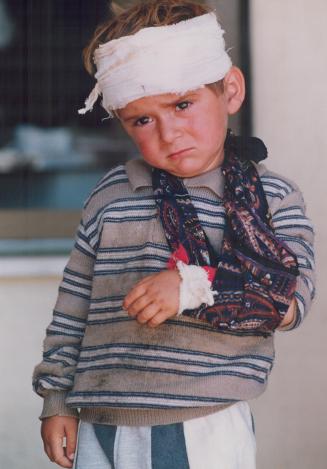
(116, 371)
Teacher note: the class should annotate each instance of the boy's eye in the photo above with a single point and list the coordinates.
(144, 120)
(183, 105)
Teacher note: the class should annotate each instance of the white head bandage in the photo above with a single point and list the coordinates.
(157, 60)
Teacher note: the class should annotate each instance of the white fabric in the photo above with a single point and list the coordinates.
(156, 60)
(224, 440)
(132, 448)
(89, 454)
(195, 287)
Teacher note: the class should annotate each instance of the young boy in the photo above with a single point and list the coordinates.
(186, 262)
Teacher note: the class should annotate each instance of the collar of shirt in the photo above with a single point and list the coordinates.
(139, 175)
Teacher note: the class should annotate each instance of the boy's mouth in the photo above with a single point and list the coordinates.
(179, 153)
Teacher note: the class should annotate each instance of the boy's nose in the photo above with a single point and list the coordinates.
(170, 130)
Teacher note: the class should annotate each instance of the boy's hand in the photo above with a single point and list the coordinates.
(53, 430)
(289, 317)
(155, 298)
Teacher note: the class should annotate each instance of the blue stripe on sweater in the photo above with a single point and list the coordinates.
(84, 251)
(122, 180)
(102, 299)
(77, 274)
(133, 218)
(68, 355)
(208, 224)
(292, 226)
(296, 239)
(138, 218)
(141, 257)
(188, 325)
(74, 293)
(118, 170)
(206, 201)
(67, 326)
(300, 298)
(126, 270)
(274, 195)
(136, 247)
(60, 348)
(221, 331)
(56, 360)
(122, 394)
(130, 208)
(278, 216)
(171, 371)
(64, 334)
(211, 213)
(276, 183)
(310, 285)
(56, 382)
(126, 405)
(304, 263)
(77, 284)
(108, 208)
(176, 361)
(98, 322)
(290, 208)
(173, 349)
(69, 317)
(106, 309)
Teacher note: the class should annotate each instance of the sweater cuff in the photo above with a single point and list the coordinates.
(54, 404)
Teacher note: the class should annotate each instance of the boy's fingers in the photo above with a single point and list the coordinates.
(53, 431)
(158, 319)
(148, 313)
(71, 439)
(47, 449)
(63, 461)
(133, 295)
(144, 280)
(58, 453)
(139, 305)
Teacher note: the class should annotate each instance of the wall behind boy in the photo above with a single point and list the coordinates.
(289, 55)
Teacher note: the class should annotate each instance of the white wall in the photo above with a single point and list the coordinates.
(25, 308)
(289, 45)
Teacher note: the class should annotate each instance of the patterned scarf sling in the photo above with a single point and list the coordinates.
(254, 276)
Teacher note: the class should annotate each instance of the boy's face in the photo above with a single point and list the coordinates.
(183, 135)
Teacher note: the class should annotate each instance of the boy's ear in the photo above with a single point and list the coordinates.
(234, 89)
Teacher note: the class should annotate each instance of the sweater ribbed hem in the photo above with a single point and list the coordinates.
(149, 417)
(54, 404)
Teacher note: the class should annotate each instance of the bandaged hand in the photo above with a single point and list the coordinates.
(195, 287)
(155, 298)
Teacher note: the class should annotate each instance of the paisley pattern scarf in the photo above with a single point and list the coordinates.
(255, 274)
